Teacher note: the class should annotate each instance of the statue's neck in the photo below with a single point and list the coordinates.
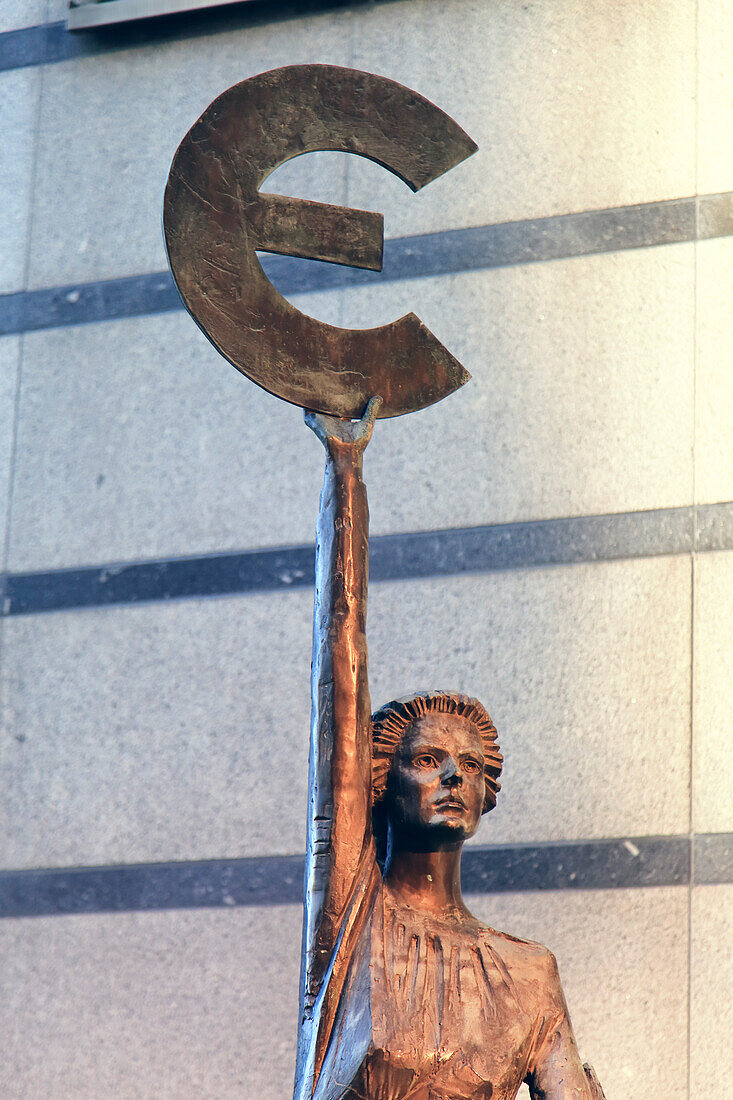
(426, 880)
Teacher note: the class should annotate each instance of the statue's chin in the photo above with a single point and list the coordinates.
(453, 824)
(452, 830)
(433, 836)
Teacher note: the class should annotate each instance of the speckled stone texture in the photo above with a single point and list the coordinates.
(713, 706)
(144, 732)
(569, 412)
(15, 14)
(711, 977)
(19, 92)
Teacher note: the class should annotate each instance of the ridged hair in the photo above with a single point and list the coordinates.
(391, 722)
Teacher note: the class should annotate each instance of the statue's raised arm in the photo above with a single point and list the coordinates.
(340, 859)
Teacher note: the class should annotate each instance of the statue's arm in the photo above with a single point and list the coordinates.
(557, 1072)
(339, 818)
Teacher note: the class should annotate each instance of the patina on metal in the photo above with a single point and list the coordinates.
(405, 995)
(214, 219)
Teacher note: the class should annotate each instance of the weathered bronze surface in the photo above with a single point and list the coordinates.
(214, 218)
(405, 995)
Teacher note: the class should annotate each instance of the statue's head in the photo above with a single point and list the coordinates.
(435, 766)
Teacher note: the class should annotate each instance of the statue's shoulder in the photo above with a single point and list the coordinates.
(525, 958)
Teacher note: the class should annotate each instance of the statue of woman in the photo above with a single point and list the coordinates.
(404, 994)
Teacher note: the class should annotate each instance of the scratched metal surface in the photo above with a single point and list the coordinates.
(214, 218)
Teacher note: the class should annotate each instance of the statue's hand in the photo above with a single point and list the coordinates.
(344, 435)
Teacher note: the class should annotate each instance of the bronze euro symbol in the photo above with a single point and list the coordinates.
(214, 218)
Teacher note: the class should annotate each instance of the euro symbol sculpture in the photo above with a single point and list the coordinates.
(215, 217)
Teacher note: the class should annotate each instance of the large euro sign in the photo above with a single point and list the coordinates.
(215, 218)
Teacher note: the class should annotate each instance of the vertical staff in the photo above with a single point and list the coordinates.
(339, 851)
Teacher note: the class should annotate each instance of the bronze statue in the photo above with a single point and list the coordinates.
(404, 994)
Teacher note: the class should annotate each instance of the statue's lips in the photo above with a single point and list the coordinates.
(451, 803)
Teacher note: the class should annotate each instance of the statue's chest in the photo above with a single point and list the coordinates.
(444, 1010)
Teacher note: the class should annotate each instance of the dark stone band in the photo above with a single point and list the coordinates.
(392, 557)
(449, 252)
(278, 880)
(51, 43)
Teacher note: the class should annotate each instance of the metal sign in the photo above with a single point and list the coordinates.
(215, 217)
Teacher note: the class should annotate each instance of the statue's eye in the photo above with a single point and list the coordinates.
(425, 760)
(471, 766)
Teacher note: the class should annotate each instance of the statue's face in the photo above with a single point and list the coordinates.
(436, 782)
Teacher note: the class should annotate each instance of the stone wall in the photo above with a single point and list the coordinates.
(556, 538)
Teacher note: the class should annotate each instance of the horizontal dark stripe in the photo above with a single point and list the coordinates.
(278, 880)
(714, 527)
(50, 43)
(715, 216)
(210, 575)
(533, 543)
(583, 865)
(713, 858)
(392, 557)
(106, 300)
(452, 251)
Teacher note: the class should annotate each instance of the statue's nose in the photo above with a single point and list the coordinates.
(451, 776)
